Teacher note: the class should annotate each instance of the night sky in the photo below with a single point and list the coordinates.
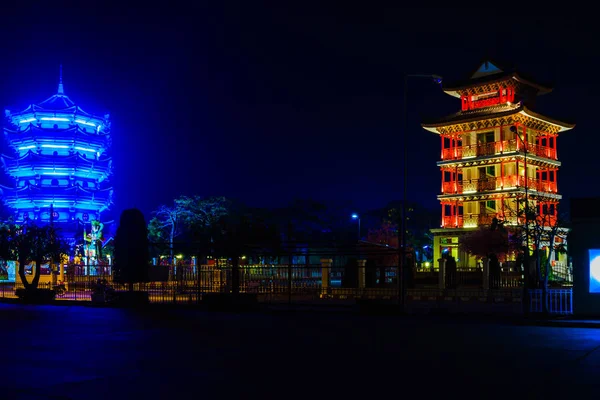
(267, 101)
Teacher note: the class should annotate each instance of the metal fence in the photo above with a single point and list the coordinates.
(559, 301)
(270, 283)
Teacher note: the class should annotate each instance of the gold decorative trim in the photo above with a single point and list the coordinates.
(493, 122)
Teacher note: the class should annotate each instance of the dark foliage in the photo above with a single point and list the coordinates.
(450, 272)
(350, 276)
(132, 257)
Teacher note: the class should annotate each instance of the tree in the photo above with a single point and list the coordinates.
(32, 243)
(488, 240)
(169, 222)
(203, 213)
(131, 257)
(6, 253)
(188, 214)
(544, 231)
(386, 234)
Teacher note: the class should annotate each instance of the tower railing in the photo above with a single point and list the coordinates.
(496, 148)
(494, 183)
(483, 219)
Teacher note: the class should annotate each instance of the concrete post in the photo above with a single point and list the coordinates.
(326, 264)
(442, 274)
(361, 273)
(486, 273)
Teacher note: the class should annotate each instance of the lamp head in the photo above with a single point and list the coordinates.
(437, 79)
(354, 216)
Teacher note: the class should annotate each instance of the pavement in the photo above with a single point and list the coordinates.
(75, 352)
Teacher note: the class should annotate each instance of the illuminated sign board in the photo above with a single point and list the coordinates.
(594, 270)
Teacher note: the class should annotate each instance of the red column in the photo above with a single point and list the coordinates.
(455, 209)
(501, 138)
(456, 179)
(518, 141)
(442, 191)
(442, 154)
(453, 146)
(443, 214)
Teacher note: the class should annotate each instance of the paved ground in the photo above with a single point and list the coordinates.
(78, 352)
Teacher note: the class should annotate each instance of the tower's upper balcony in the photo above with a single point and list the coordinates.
(497, 148)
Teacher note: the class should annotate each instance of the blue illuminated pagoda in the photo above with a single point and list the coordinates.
(59, 163)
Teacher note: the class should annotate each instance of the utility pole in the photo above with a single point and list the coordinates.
(402, 261)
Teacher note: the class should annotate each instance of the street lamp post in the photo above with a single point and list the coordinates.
(357, 217)
(402, 231)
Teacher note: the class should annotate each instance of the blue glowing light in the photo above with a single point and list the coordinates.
(76, 185)
(594, 270)
(55, 119)
(84, 149)
(82, 122)
(354, 216)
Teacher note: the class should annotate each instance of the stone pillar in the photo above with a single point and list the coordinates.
(325, 271)
(442, 274)
(361, 273)
(486, 273)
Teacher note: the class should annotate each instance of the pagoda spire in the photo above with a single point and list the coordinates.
(61, 89)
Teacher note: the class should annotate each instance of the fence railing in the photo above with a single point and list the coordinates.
(297, 283)
(559, 301)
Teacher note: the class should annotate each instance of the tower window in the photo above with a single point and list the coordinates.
(55, 126)
(54, 182)
(55, 153)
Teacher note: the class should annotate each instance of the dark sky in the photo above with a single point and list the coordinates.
(268, 101)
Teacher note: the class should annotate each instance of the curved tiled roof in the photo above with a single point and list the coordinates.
(493, 112)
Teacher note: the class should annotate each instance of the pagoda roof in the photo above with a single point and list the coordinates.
(74, 196)
(77, 157)
(75, 130)
(488, 73)
(31, 164)
(58, 103)
(496, 111)
(56, 191)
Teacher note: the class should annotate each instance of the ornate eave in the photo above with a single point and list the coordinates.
(498, 158)
(76, 129)
(492, 83)
(452, 230)
(77, 157)
(463, 122)
(491, 195)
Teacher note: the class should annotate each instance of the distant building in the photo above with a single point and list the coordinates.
(496, 155)
(59, 164)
